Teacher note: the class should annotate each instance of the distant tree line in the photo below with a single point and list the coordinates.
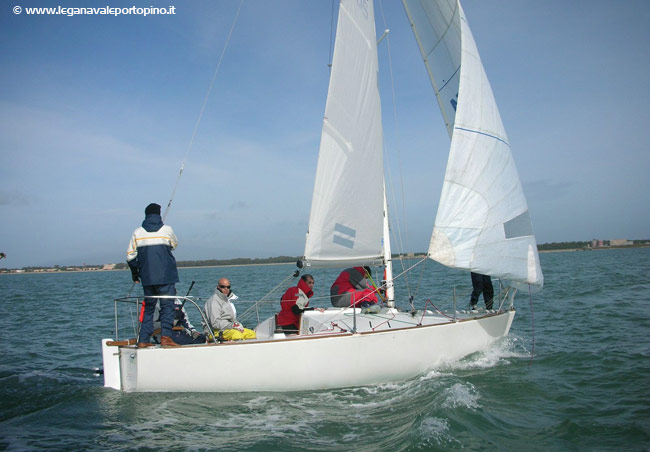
(239, 261)
(236, 261)
(562, 245)
(293, 259)
(582, 245)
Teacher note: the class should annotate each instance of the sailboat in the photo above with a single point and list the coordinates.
(482, 225)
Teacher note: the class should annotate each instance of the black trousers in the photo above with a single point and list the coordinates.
(482, 283)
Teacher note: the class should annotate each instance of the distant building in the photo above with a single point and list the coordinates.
(108, 267)
(620, 242)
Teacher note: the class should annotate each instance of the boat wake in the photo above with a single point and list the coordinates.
(502, 352)
(435, 431)
(309, 420)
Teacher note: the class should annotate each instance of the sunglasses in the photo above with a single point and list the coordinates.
(223, 287)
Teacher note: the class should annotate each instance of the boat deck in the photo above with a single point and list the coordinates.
(359, 320)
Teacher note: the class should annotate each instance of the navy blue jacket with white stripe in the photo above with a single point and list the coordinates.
(150, 251)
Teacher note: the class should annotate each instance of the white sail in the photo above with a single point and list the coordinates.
(437, 33)
(482, 222)
(345, 223)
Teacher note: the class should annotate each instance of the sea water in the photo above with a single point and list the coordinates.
(574, 373)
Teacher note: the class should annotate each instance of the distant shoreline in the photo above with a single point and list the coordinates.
(599, 248)
(101, 270)
(50, 270)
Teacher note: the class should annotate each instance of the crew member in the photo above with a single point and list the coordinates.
(351, 288)
(481, 284)
(222, 315)
(294, 302)
(151, 261)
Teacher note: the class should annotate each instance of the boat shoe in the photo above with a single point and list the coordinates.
(145, 344)
(167, 341)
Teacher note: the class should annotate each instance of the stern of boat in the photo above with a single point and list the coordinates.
(111, 363)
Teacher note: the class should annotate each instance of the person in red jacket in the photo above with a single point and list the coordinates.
(294, 302)
(351, 288)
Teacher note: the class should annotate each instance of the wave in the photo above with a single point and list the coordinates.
(499, 353)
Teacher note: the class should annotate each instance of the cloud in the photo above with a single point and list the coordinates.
(238, 205)
(65, 137)
(547, 189)
(14, 198)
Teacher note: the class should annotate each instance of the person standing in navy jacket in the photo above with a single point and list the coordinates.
(152, 263)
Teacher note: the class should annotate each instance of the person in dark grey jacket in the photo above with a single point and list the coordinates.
(152, 263)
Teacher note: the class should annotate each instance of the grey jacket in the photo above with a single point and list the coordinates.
(219, 312)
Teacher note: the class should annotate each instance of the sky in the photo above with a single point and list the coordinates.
(97, 113)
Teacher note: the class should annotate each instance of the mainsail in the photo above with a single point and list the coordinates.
(345, 223)
(482, 224)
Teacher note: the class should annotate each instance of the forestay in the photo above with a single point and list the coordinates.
(482, 222)
(345, 223)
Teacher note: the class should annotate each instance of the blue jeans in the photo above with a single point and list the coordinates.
(166, 310)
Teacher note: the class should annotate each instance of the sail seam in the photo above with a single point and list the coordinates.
(450, 78)
(483, 133)
(356, 26)
(444, 33)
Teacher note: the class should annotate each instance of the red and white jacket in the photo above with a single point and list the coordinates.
(297, 296)
(351, 288)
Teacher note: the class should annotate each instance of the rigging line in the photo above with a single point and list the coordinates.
(329, 61)
(258, 302)
(246, 313)
(377, 289)
(411, 268)
(135, 330)
(417, 287)
(424, 311)
(399, 159)
(398, 234)
(382, 286)
(205, 102)
(405, 272)
(532, 322)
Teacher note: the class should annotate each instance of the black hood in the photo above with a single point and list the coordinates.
(152, 222)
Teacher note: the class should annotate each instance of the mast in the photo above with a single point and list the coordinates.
(388, 261)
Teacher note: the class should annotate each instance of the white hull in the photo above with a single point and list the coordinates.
(324, 360)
